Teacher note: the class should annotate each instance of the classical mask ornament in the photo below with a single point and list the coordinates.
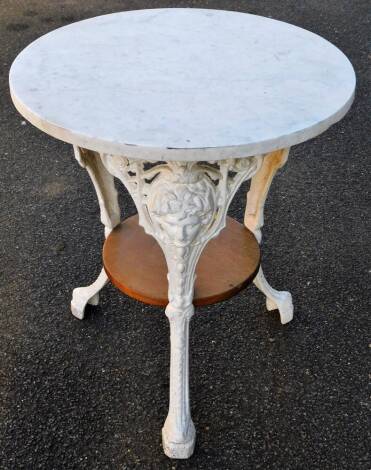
(180, 211)
(182, 203)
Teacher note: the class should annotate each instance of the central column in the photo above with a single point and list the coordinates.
(182, 205)
(178, 433)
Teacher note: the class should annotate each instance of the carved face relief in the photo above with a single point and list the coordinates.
(181, 210)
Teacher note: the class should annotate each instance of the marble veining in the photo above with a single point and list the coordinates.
(152, 83)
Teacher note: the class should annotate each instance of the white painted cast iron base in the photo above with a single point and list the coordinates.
(183, 205)
(254, 221)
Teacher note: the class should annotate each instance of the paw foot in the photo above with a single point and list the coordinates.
(282, 303)
(79, 301)
(179, 450)
(81, 296)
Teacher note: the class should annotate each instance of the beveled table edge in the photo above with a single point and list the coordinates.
(180, 154)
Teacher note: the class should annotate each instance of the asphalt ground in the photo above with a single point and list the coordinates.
(93, 394)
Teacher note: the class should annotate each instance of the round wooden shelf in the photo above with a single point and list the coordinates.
(135, 264)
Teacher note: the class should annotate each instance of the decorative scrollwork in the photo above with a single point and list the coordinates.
(182, 203)
(182, 207)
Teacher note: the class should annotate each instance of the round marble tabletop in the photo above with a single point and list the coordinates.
(182, 84)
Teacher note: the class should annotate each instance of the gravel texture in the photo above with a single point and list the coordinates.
(93, 394)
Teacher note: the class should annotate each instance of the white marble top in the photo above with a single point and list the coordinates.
(182, 84)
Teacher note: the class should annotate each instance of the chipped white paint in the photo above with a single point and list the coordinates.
(254, 221)
(150, 84)
(110, 217)
(259, 188)
(183, 205)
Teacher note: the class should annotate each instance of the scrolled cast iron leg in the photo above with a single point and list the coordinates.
(254, 221)
(275, 300)
(110, 216)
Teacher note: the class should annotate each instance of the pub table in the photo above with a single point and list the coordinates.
(182, 106)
